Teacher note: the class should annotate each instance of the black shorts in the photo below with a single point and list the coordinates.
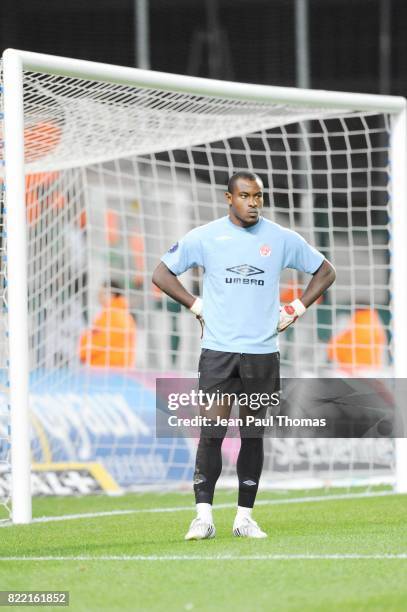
(251, 379)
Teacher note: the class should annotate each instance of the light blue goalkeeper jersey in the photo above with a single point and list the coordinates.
(242, 268)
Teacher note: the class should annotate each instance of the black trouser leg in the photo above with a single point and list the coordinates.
(249, 468)
(208, 467)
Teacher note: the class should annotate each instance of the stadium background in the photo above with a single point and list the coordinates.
(127, 552)
(358, 46)
(355, 45)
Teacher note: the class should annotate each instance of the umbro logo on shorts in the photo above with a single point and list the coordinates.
(244, 272)
(250, 483)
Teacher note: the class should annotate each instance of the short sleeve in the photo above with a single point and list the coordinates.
(300, 255)
(185, 254)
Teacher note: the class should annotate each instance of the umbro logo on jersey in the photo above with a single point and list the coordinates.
(245, 270)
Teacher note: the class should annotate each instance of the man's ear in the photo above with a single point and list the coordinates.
(228, 197)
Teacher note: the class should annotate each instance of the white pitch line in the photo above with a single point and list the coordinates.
(220, 557)
(191, 508)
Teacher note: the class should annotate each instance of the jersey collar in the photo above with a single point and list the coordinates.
(251, 229)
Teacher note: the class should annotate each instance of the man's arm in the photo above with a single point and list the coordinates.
(321, 280)
(169, 283)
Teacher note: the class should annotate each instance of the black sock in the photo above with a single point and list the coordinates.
(208, 467)
(249, 467)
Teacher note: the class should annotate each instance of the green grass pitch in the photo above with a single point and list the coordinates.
(140, 561)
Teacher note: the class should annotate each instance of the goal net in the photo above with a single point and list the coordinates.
(121, 163)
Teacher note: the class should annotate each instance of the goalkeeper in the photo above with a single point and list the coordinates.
(242, 256)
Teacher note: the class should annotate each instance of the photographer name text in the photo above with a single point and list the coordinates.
(270, 421)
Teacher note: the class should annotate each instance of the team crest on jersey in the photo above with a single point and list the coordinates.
(173, 248)
(265, 251)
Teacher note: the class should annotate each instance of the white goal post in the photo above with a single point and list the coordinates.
(104, 114)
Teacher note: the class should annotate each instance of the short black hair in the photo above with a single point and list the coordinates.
(242, 174)
(114, 286)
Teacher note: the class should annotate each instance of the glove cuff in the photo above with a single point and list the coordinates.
(197, 307)
(298, 307)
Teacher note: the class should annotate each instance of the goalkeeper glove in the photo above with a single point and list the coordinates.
(289, 313)
(196, 309)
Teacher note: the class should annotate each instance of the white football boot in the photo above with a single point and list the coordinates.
(200, 530)
(247, 528)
